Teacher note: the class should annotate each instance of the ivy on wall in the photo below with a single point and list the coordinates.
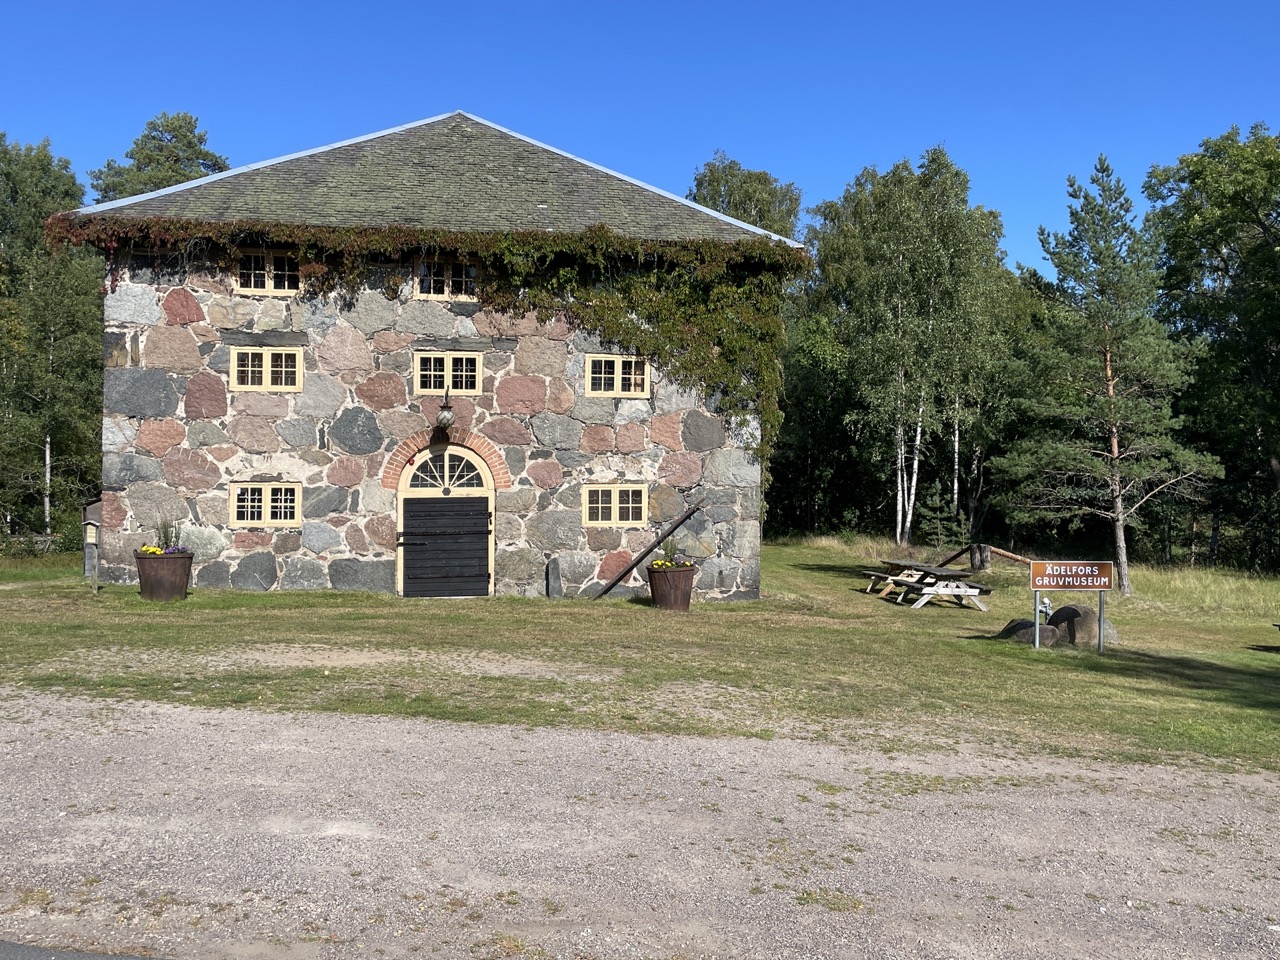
(705, 311)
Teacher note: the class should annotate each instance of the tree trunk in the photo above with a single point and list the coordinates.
(1117, 482)
(915, 473)
(955, 462)
(900, 471)
(1122, 559)
(1215, 538)
(979, 556)
(48, 480)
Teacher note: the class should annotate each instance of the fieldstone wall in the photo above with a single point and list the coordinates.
(174, 436)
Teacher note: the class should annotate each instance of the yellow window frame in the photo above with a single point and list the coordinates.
(276, 271)
(445, 279)
(615, 505)
(256, 505)
(271, 367)
(611, 375)
(460, 371)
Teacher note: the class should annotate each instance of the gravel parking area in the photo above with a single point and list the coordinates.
(209, 834)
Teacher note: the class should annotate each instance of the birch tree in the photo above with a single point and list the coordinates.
(906, 273)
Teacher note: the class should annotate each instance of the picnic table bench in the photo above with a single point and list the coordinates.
(922, 583)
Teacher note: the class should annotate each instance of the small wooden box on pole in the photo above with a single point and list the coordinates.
(1070, 575)
(92, 554)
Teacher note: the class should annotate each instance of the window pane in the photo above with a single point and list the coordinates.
(431, 374)
(430, 474)
(431, 278)
(462, 279)
(632, 376)
(283, 503)
(249, 369)
(464, 373)
(284, 369)
(464, 473)
(284, 272)
(253, 271)
(602, 376)
(599, 506)
(631, 505)
(249, 504)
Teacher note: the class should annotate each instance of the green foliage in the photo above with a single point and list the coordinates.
(170, 150)
(34, 184)
(1100, 438)
(752, 196)
(50, 349)
(900, 326)
(1217, 220)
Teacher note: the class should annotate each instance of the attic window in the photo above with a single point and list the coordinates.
(438, 278)
(271, 273)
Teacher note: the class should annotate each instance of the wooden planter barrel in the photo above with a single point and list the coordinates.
(671, 587)
(163, 576)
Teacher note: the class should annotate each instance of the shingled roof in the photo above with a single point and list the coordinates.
(454, 172)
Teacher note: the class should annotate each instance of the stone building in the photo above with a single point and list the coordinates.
(297, 439)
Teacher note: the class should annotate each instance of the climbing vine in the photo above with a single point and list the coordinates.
(707, 312)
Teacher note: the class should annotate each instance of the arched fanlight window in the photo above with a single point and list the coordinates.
(447, 469)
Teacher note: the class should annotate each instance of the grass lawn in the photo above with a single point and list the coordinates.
(1195, 674)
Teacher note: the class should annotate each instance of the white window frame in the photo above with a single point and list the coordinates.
(272, 498)
(279, 274)
(267, 358)
(612, 375)
(602, 507)
(453, 373)
(446, 279)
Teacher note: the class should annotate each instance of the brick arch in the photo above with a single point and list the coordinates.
(411, 447)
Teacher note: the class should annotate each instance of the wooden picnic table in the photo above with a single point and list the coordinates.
(922, 583)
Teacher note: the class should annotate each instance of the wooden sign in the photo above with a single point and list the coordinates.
(1071, 574)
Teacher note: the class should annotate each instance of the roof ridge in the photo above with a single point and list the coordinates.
(124, 202)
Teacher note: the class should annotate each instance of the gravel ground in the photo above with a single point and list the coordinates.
(209, 834)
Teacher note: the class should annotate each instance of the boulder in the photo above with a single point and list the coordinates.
(1078, 625)
(1024, 632)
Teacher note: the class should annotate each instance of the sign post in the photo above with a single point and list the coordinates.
(1071, 575)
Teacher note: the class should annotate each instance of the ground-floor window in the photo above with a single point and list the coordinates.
(265, 505)
(615, 505)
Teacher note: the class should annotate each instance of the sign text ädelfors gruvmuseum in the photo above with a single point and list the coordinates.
(1071, 574)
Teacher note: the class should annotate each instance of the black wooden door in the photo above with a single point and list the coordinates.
(446, 547)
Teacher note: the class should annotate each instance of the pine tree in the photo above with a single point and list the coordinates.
(1102, 442)
(169, 151)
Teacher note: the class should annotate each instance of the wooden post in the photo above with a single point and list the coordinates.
(979, 556)
(652, 547)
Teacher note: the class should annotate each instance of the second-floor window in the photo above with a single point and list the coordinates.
(609, 376)
(266, 369)
(459, 373)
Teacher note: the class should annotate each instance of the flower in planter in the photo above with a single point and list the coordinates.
(670, 558)
(151, 551)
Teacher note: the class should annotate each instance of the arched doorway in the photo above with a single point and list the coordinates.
(445, 524)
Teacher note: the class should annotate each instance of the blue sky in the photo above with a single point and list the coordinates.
(1020, 94)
